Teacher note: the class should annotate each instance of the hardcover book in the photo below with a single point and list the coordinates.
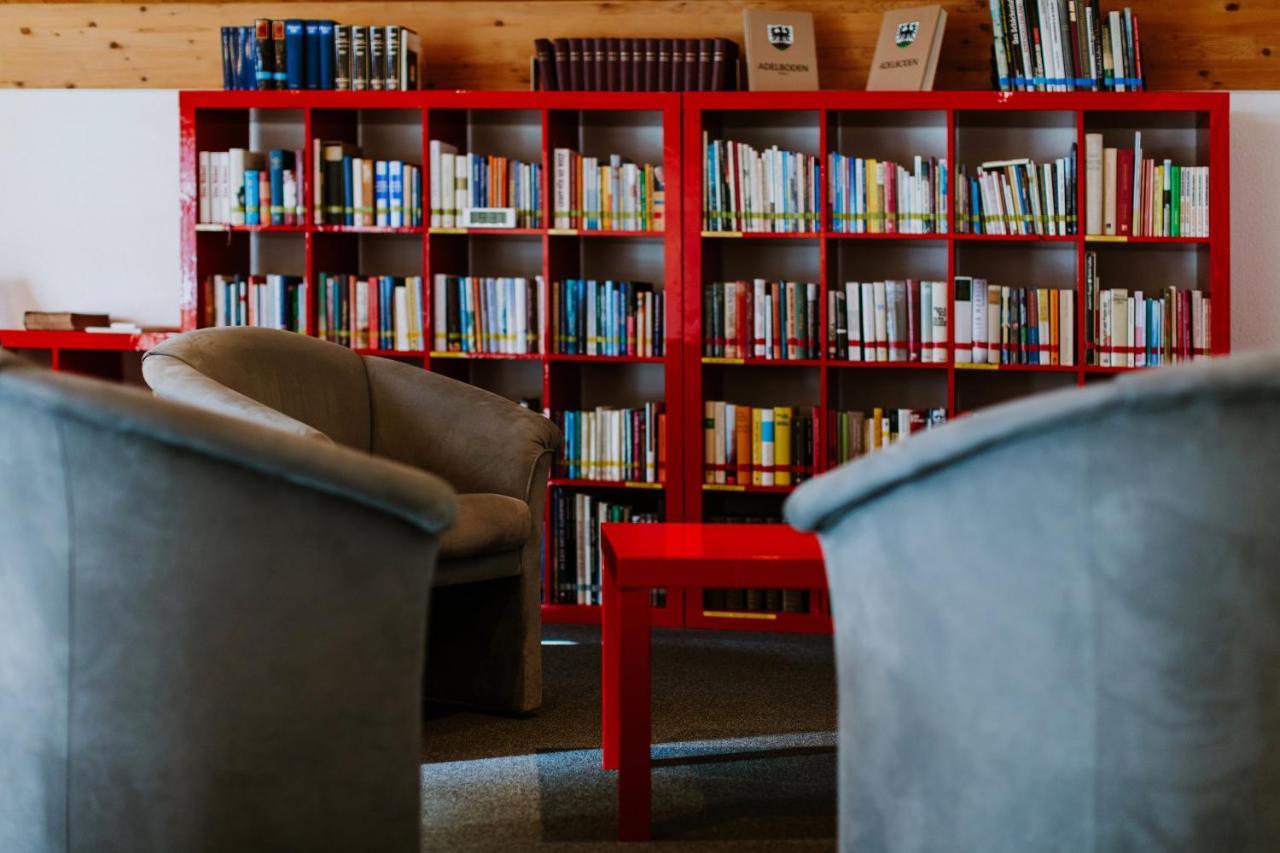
(781, 52)
(907, 51)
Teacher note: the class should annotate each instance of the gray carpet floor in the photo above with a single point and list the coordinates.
(744, 754)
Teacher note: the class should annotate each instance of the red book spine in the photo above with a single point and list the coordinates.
(890, 197)
(1124, 191)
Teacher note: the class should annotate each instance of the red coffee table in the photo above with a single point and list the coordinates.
(639, 557)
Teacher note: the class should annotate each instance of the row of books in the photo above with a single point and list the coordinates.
(1064, 46)
(1137, 328)
(576, 557)
(615, 196)
(1132, 196)
(760, 319)
(752, 600)
(361, 192)
(753, 446)
(1018, 197)
(888, 321)
(370, 312)
(870, 196)
(759, 191)
(242, 187)
(613, 445)
(610, 318)
(855, 433)
(636, 64)
(272, 301)
(475, 314)
(316, 54)
(460, 182)
(1014, 325)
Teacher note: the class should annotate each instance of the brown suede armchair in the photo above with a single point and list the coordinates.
(485, 623)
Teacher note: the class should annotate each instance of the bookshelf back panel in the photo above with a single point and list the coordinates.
(1015, 264)
(897, 135)
(505, 133)
(852, 389)
(269, 129)
(742, 507)
(368, 254)
(285, 254)
(501, 255)
(983, 136)
(790, 130)
(1185, 144)
(977, 389)
(734, 259)
(627, 259)
(391, 135)
(762, 385)
(864, 260)
(515, 380)
(635, 135)
(1150, 267)
(581, 385)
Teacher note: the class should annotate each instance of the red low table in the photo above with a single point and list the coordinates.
(640, 557)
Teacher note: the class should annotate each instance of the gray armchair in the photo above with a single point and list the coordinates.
(211, 636)
(486, 619)
(1058, 621)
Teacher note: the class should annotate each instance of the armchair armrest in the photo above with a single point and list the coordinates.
(414, 496)
(475, 440)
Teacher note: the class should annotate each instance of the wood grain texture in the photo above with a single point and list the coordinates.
(1187, 44)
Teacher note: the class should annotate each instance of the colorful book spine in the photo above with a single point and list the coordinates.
(478, 181)
(1018, 197)
(752, 446)
(371, 312)
(488, 315)
(270, 301)
(1136, 196)
(869, 196)
(776, 320)
(611, 195)
(576, 558)
(1128, 328)
(1064, 46)
(858, 433)
(772, 191)
(613, 444)
(889, 321)
(607, 318)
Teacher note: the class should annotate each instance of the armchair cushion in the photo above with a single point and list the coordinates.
(486, 524)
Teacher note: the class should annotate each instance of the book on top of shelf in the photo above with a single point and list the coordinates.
(889, 321)
(613, 195)
(370, 312)
(634, 65)
(607, 318)
(857, 433)
(1018, 197)
(906, 57)
(1064, 46)
(461, 181)
(758, 191)
(760, 319)
(614, 444)
(869, 196)
(62, 321)
(754, 446)
(472, 314)
(1129, 195)
(319, 54)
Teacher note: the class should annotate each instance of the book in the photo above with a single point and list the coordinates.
(907, 50)
(1151, 327)
(1064, 46)
(1149, 196)
(480, 181)
(576, 560)
(757, 446)
(319, 54)
(1019, 197)
(472, 314)
(62, 321)
(776, 320)
(592, 194)
(859, 433)
(612, 444)
(781, 50)
(378, 312)
(271, 301)
(869, 196)
(607, 318)
(739, 199)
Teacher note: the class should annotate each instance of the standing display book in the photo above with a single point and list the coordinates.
(907, 50)
(702, 370)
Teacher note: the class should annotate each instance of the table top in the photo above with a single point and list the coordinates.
(732, 554)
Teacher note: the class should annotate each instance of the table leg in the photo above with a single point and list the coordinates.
(633, 715)
(610, 666)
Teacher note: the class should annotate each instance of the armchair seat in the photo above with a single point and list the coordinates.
(486, 524)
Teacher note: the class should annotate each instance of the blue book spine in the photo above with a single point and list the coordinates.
(252, 198)
(570, 325)
(228, 80)
(295, 54)
(386, 309)
(395, 190)
(311, 46)
(348, 202)
(381, 192)
(276, 164)
(571, 427)
(326, 71)
(248, 60)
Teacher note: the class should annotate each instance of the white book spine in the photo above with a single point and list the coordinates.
(852, 302)
(978, 312)
(941, 311)
(1067, 328)
(870, 352)
(1139, 313)
(439, 312)
(882, 321)
(204, 206)
(926, 321)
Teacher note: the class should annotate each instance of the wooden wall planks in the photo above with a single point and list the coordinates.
(1187, 44)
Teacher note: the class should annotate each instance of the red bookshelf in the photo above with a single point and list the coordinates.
(961, 126)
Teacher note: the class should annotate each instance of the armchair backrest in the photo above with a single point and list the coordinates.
(316, 385)
(1056, 621)
(211, 635)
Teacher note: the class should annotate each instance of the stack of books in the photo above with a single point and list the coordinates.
(771, 191)
(614, 445)
(635, 65)
(1128, 195)
(856, 434)
(615, 196)
(460, 182)
(242, 187)
(871, 196)
(760, 319)
(1014, 325)
(271, 301)
(472, 314)
(380, 312)
(888, 321)
(360, 192)
(313, 54)
(1136, 328)
(1018, 197)
(752, 446)
(608, 318)
(1064, 46)
(576, 558)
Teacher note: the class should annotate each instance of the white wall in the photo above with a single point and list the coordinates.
(89, 207)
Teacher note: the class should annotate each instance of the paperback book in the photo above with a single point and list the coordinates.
(1144, 328)
(242, 187)
(1129, 195)
(360, 192)
(1064, 46)
(576, 556)
(857, 433)
(1014, 325)
(270, 301)
(461, 182)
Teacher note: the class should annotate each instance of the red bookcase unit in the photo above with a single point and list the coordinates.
(964, 127)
